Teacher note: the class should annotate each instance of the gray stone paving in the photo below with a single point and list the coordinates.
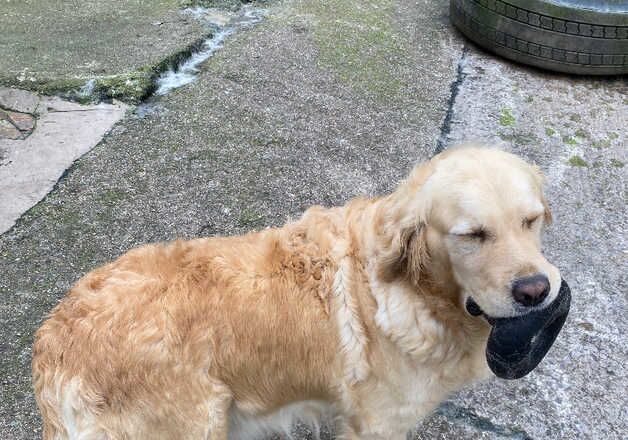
(323, 101)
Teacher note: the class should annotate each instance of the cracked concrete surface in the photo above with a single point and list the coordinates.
(323, 101)
(52, 44)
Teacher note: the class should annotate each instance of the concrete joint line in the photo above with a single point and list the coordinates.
(454, 89)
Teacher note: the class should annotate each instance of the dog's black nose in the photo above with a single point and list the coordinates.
(530, 291)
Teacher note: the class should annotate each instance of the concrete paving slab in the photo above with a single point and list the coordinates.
(30, 166)
(18, 100)
(8, 130)
(22, 121)
(56, 46)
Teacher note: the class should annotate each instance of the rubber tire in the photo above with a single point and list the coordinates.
(588, 37)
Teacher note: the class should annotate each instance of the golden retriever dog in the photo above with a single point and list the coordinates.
(368, 314)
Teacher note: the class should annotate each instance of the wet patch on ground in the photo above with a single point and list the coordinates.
(223, 25)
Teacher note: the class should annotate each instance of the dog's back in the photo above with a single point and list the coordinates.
(176, 332)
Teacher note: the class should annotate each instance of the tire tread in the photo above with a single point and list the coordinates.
(515, 45)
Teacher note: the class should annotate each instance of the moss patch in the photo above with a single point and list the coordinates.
(359, 42)
(222, 4)
(602, 143)
(250, 218)
(520, 138)
(550, 131)
(112, 196)
(617, 163)
(577, 161)
(132, 87)
(569, 140)
(506, 118)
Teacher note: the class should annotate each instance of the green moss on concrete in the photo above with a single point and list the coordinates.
(61, 87)
(581, 133)
(112, 196)
(222, 4)
(550, 131)
(132, 87)
(602, 143)
(569, 140)
(506, 118)
(577, 161)
(250, 218)
(617, 163)
(528, 138)
(359, 42)
(176, 58)
(136, 86)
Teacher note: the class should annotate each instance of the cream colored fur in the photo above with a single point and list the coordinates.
(354, 312)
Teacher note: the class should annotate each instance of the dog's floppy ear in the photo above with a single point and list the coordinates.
(400, 229)
(403, 255)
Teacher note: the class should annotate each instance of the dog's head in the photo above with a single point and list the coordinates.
(474, 217)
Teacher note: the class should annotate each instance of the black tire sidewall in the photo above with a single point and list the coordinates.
(532, 36)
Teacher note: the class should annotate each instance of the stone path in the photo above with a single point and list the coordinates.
(321, 102)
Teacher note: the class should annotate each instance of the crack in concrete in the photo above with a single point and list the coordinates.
(454, 89)
(78, 111)
(466, 416)
(8, 109)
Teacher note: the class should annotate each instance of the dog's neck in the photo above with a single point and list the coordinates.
(423, 317)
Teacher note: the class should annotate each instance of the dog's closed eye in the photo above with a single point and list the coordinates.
(528, 222)
(479, 234)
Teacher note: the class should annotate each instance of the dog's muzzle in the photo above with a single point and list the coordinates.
(517, 345)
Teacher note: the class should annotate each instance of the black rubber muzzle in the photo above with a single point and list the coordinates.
(517, 345)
